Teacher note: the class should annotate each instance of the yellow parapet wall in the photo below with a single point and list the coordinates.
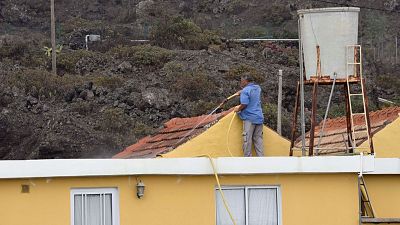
(228, 132)
(384, 191)
(387, 141)
(314, 199)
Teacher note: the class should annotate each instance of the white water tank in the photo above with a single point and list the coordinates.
(332, 29)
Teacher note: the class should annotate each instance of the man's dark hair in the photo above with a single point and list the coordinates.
(248, 77)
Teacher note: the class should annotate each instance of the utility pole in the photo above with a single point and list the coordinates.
(53, 39)
(279, 122)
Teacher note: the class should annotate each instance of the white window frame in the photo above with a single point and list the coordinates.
(246, 188)
(114, 200)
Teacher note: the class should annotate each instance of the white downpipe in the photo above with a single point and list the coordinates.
(361, 164)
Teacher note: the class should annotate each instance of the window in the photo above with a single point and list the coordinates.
(249, 205)
(97, 206)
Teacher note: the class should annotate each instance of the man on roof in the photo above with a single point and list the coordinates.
(250, 111)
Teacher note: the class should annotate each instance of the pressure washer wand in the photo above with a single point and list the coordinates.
(208, 115)
(227, 99)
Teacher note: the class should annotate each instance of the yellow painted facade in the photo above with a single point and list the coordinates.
(387, 141)
(224, 139)
(329, 199)
(384, 191)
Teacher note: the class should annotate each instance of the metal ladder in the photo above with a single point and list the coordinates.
(366, 209)
(354, 69)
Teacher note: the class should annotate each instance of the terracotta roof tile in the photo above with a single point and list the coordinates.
(335, 132)
(174, 133)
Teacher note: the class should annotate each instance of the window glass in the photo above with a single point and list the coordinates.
(91, 208)
(262, 206)
(108, 209)
(236, 203)
(94, 211)
(249, 206)
(78, 214)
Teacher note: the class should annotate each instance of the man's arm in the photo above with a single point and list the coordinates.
(244, 100)
(240, 107)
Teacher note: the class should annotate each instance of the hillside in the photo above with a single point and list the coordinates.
(120, 90)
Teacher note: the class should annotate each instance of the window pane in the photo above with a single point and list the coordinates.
(262, 206)
(236, 203)
(94, 206)
(78, 210)
(108, 209)
(93, 209)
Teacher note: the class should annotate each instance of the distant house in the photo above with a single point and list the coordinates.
(385, 127)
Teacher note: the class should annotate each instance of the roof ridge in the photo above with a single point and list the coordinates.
(392, 110)
(182, 121)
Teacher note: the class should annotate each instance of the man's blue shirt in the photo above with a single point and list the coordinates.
(251, 96)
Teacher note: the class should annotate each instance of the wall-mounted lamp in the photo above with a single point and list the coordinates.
(140, 189)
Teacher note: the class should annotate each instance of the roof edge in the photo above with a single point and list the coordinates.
(189, 166)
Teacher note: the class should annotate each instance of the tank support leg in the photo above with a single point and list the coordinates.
(313, 117)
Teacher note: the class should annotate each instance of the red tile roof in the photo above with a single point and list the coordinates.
(334, 139)
(174, 133)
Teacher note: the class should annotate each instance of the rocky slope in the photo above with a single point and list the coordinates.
(106, 98)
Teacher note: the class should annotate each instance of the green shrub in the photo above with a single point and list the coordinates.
(107, 81)
(34, 59)
(115, 120)
(388, 82)
(77, 23)
(193, 85)
(254, 32)
(278, 14)
(83, 107)
(67, 60)
(13, 47)
(237, 6)
(236, 73)
(143, 54)
(375, 26)
(202, 107)
(271, 118)
(173, 69)
(285, 32)
(335, 110)
(45, 83)
(142, 129)
(339, 110)
(182, 33)
(48, 85)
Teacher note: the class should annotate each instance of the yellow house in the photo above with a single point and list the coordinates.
(267, 190)
(186, 186)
